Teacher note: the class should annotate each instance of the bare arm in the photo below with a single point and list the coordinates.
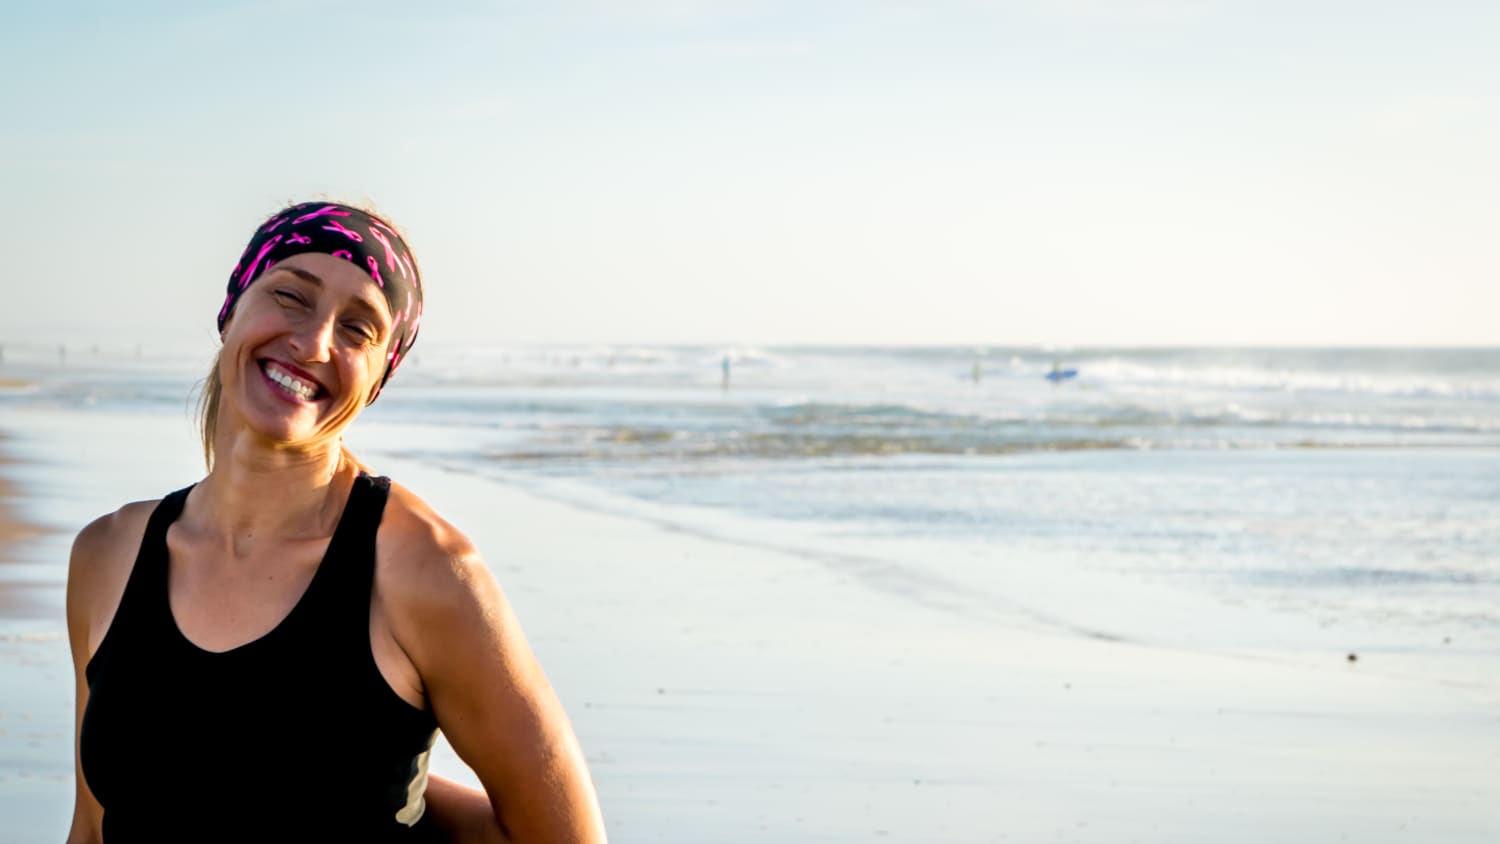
(463, 814)
(85, 573)
(88, 815)
(490, 696)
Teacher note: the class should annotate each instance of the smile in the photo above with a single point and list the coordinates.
(293, 385)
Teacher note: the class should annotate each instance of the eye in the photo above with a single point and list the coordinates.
(287, 297)
(361, 331)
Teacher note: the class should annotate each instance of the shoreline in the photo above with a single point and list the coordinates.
(732, 693)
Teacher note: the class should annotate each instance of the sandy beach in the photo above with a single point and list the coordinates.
(731, 693)
(35, 721)
(19, 596)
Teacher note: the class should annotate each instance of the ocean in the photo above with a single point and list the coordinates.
(1306, 501)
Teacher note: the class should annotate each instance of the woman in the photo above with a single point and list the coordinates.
(267, 654)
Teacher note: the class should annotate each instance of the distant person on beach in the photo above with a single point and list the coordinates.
(268, 655)
(725, 366)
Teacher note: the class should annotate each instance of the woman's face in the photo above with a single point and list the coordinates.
(304, 349)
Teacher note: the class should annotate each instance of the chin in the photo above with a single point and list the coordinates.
(283, 422)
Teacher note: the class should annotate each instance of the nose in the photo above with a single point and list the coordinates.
(313, 339)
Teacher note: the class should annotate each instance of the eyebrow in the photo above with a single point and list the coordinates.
(313, 279)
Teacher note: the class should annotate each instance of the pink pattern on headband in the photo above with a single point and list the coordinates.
(298, 239)
(349, 233)
(325, 211)
(271, 226)
(345, 254)
(390, 255)
(265, 248)
(374, 266)
(411, 269)
(411, 336)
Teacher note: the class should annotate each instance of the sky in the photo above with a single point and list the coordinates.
(1057, 172)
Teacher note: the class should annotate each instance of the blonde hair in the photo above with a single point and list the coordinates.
(208, 411)
(213, 386)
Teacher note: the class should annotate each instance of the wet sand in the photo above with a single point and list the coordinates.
(728, 693)
(20, 596)
(12, 527)
(34, 672)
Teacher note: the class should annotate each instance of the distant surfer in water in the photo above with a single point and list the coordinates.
(267, 655)
(1058, 374)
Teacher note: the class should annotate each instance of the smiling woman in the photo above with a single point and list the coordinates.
(313, 244)
(271, 652)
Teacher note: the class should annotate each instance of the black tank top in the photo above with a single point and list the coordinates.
(295, 736)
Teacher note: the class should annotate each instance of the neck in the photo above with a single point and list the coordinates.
(256, 492)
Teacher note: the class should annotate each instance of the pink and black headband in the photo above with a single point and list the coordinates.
(343, 232)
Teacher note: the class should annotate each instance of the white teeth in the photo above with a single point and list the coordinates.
(292, 385)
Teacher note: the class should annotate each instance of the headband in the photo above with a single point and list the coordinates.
(343, 232)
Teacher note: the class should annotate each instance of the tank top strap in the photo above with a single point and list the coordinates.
(143, 607)
(343, 590)
(146, 587)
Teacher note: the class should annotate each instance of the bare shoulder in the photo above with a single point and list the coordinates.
(104, 532)
(435, 590)
(419, 550)
(98, 567)
(429, 577)
(108, 545)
